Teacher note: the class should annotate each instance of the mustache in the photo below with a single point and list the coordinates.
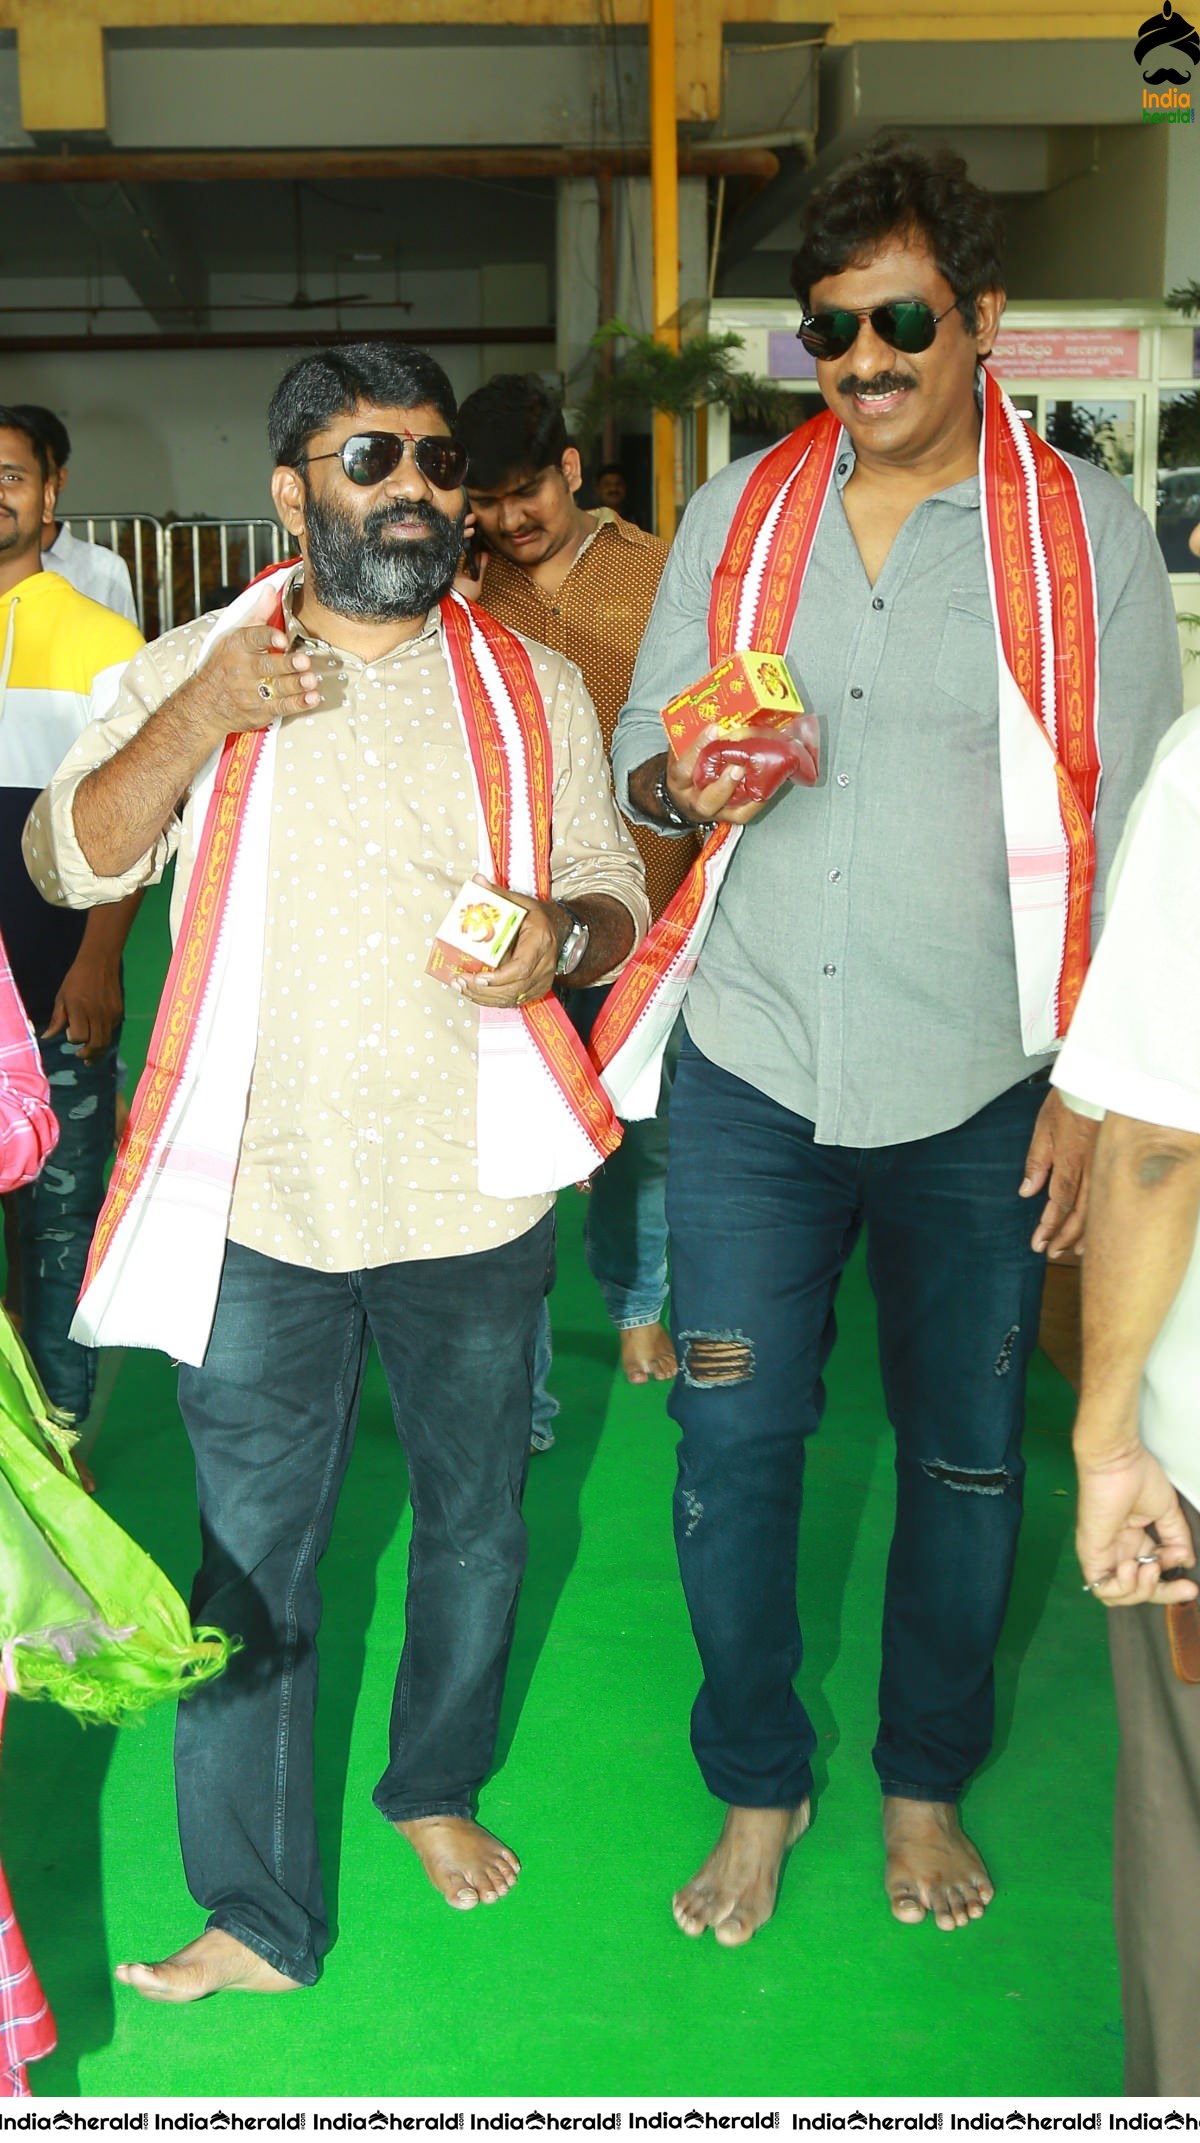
(882, 382)
(414, 510)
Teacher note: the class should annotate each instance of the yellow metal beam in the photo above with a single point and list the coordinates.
(62, 58)
(958, 23)
(61, 41)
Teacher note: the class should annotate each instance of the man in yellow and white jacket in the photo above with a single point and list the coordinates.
(54, 643)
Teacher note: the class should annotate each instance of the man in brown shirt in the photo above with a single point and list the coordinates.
(584, 584)
(357, 1207)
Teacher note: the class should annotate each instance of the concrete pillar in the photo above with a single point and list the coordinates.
(578, 262)
(633, 247)
(577, 279)
(1181, 252)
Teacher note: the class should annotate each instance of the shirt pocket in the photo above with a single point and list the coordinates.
(966, 666)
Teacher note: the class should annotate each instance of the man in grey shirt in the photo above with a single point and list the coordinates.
(855, 1049)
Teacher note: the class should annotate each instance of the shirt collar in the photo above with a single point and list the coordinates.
(964, 493)
(299, 637)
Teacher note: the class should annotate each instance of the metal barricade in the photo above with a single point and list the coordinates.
(204, 561)
(138, 539)
(180, 569)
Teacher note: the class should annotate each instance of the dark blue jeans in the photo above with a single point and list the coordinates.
(56, 1218)
(762, 1222)
(271, 1417)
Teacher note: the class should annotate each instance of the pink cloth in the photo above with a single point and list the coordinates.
(26, 2025)
(28, 1129)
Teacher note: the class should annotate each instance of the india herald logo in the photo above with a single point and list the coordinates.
(1167, 32)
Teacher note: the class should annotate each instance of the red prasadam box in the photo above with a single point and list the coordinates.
(744, 692)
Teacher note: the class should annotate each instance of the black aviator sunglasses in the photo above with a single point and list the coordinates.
(369, 457)
(905, 324)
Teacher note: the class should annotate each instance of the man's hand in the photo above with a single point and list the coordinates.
(125, 804)
(250, 677)
(1121, 1499)
(88, 1005)
(712, 804)
(528, 973)
(466, 583)
(1060, 1154)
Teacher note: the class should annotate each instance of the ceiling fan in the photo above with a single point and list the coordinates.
(300, 300)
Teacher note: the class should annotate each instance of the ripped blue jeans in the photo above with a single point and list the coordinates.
(762, 1221)
(57, 1216)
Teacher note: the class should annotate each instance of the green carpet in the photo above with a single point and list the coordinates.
(580, 1983)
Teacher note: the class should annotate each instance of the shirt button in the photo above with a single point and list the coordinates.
(843, 781)
(877, 602)
(856, 691)
(842, 467)
(834, 877)
(830, 969)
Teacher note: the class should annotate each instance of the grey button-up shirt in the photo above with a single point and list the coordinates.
(860, 967)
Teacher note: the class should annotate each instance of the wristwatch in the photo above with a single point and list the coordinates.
(668, 808)
(574, 945)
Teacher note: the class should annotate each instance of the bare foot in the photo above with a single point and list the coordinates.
(932, 1865)
(212, 1963)
(734, 1892)
(646, 1353)
(462, 1860)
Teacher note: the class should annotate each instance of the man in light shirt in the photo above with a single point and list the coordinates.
(1134, 1052)
(355, 1206)
(871, 1017)
(92, 568)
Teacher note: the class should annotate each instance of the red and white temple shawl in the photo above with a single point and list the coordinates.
(1042, 585)
(542, 1120)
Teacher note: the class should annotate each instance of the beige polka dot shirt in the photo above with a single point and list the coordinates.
(359, 1148)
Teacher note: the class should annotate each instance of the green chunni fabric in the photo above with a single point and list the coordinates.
(85, 1617)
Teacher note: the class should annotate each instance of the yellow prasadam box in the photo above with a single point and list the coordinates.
(478, 933)
(747, 691)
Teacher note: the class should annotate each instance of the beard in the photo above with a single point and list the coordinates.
(358, 572)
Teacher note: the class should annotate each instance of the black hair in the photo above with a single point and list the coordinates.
(50, 429)
(891, 190)
(514, 426)
(611, 468)
(18, 417)
(329, 383)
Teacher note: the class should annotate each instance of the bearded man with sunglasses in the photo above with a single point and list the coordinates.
(881, 968)
(330, 1145)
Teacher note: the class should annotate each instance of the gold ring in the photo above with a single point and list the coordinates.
(266, 689)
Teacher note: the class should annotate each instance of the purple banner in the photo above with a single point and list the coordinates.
(787, 358)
